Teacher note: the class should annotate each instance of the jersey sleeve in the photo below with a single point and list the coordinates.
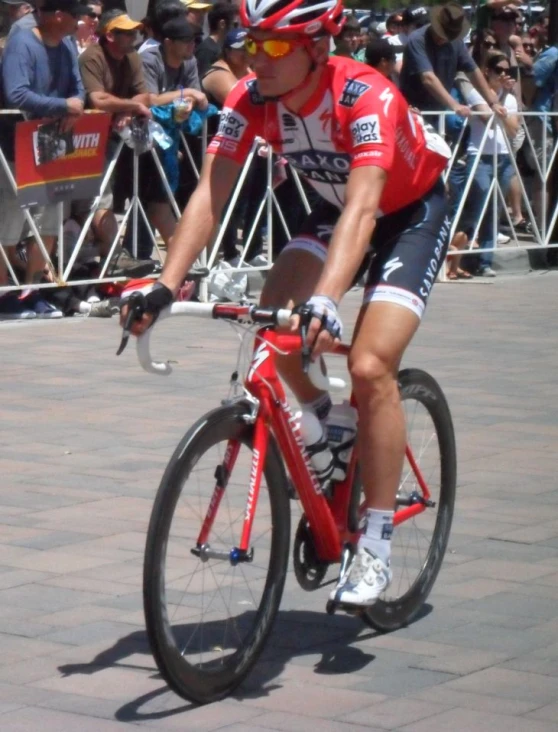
(372, 127)
(239, 124)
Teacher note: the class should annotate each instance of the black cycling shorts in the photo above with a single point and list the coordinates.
(407, 249)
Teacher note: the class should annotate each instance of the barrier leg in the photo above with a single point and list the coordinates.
(134, 205)
(60, 207)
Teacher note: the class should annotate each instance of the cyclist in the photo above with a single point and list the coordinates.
(377, 169)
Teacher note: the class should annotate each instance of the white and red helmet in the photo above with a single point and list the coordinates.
(310, 17)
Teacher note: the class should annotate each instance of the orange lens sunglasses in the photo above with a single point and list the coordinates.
(274, 47)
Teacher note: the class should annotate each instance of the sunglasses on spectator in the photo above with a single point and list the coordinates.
(273, 47)
(125, 32)
(489, 45)
(502, 70)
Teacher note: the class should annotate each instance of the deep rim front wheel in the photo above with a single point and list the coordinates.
(208, 616)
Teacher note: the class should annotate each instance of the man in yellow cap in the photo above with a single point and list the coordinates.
(113, 76)
(195, 11)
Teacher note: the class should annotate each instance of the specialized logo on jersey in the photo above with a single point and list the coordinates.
(253, 92)
(323, 167)
(232, 125)
(351, 92)
(325, 232)
(366, 130)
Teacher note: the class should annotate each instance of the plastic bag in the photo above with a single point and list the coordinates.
(141, 133)
(224, 284)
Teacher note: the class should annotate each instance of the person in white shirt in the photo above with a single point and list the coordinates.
(491, 144)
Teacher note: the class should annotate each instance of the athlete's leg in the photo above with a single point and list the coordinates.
(293, 277)
(399, 282)
(383, 332)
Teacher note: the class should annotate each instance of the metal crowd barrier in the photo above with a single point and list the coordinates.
(542, 224)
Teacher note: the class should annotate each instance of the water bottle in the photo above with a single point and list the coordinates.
(314, 437)
(341, 434)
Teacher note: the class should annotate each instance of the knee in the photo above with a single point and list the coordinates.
(372, 376)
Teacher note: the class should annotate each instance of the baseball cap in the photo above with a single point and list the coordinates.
(416, 15)
(235, 38)
(73, 7)
(379, 49)
(121, 22)
(196, 5)
(178, 29)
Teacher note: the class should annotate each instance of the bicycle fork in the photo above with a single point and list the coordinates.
(241, 553)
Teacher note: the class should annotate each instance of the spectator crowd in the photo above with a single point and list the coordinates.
(474, 78)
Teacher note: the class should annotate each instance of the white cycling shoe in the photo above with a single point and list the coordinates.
(366, 578)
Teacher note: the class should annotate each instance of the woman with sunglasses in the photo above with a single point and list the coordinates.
(497, 71)
(88, 24)
(377, 170)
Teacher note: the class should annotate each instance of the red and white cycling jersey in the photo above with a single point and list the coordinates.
(355, 117)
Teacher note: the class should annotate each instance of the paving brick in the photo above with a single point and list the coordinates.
(23, 720)
(465, 720)
(105, 683)
(491, 637)
(302, 723)
(508, 684)
(549, 712)
(396, 713)
(477, 702)
(461, 661)
(90, 633)
(309, 700)
(401, 681)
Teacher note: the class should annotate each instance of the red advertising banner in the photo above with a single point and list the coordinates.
(53, 165)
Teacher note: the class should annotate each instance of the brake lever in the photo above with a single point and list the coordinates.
(136, 309)
(305, 315)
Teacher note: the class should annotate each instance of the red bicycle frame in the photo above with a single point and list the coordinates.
(328, 517)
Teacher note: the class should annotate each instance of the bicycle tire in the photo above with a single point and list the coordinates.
(389, 615)
(203, 685)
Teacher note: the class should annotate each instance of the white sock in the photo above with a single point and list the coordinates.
(376, 537)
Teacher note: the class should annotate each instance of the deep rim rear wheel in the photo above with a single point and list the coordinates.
(419, 544)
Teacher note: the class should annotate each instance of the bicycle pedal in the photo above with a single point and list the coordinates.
(332, 606)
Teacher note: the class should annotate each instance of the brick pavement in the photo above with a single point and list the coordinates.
(81, 457)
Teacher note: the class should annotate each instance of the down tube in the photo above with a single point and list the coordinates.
(322, 524)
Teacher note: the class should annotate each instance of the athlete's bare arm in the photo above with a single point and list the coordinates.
(200, 219)
(196, 227)
(350, 241)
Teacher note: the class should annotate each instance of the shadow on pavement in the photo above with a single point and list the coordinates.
(296, 633)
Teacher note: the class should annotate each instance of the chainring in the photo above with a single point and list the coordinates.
(309, 570)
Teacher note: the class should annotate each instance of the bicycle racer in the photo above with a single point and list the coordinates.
(377, 169)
